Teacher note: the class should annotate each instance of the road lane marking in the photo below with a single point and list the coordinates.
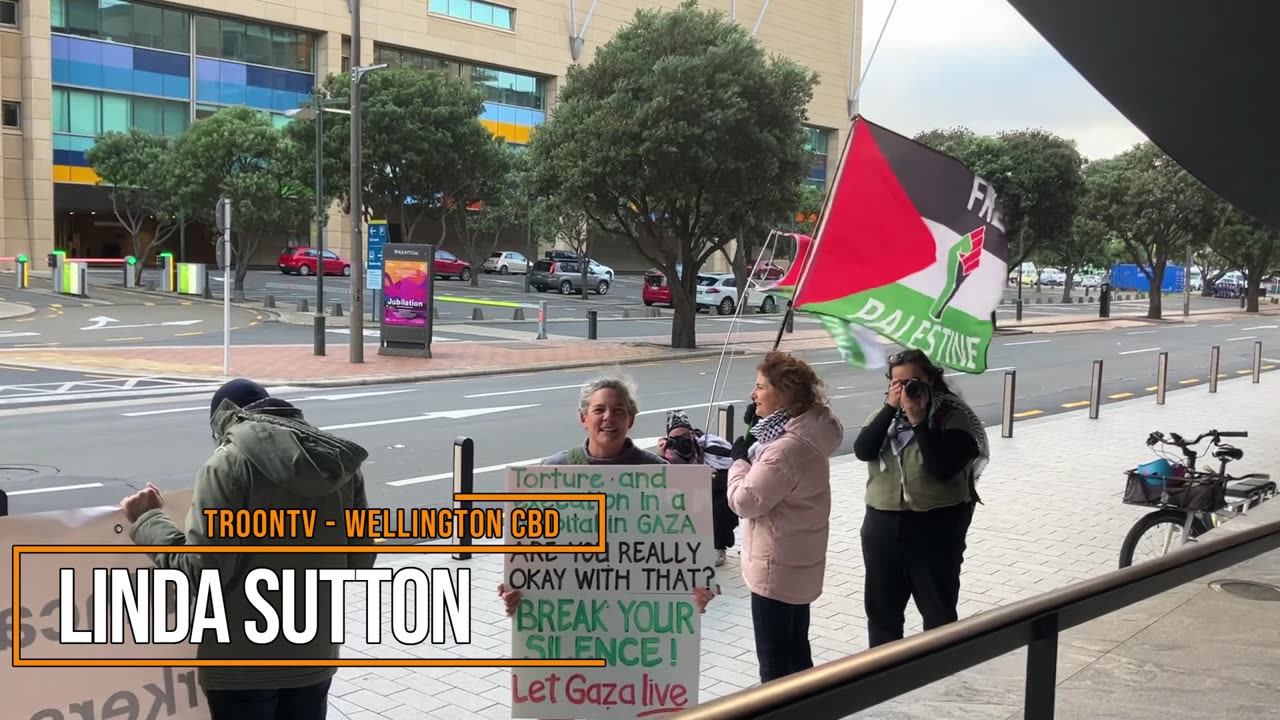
(1243, 372)
(38, 491)
(17, 367)
(1135, 352)
(1026, 342)
(1262, 327)
(1239, 339)
(1189, 381)
(167, 411)
(1153, 388)
(447, 414)
(522, 391)
(1120, 396)
(988, 370)
(1028, 413)
(1227, 325)
(1079, 403)
(696, 360)
(128, 339)
(1142, 332)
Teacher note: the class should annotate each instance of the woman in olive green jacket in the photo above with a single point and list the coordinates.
(924, 451)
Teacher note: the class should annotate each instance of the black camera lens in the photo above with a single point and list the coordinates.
(681, 444)
(914, 389)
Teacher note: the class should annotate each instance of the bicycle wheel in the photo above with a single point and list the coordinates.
(1168, 525)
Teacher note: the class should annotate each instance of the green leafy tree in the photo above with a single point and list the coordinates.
(1038, 176)
(136, 167)
(1250, 247)
(1152, 206)
(562, 221)
(238, 153)
(484, 202)
(423, 147)
(679, 133)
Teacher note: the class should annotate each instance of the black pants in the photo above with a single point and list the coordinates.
(912, 555)
(304, 703)
(782, 637)
(723, 519)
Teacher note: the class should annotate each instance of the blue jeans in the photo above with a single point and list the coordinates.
(304, 703)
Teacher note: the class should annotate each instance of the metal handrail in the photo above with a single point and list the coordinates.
(843, 687)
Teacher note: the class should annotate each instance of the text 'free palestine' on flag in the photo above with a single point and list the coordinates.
(912, 247)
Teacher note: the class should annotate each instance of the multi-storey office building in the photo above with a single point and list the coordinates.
(71, 70)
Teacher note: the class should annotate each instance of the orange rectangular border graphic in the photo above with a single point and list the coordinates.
(599, 547)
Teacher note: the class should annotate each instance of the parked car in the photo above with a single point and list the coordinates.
(656, 291)
(720, 291)
(565, 276)
(449, 265)
(302, 261)
(573, 256)
(505, 262)
(768, 271)
(1090, 281)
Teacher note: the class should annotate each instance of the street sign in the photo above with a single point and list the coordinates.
(373, 264)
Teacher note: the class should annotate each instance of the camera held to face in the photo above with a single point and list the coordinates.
(914, 389)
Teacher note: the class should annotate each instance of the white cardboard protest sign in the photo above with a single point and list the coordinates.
(633, 606)
(49, 693)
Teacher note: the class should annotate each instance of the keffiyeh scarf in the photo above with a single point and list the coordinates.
(901, 433)
(766, 430)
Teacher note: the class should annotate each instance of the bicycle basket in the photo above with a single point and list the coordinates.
(1187, 491)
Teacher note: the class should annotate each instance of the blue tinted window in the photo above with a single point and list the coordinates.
(475, 11)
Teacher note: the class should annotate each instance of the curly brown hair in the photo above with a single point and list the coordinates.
(795, 380)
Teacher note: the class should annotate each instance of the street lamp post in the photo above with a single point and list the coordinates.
(315, 110)
(357, 191)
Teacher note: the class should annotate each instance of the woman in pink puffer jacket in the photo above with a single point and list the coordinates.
(780, 486)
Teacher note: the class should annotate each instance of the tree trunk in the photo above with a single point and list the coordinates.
(584, 266)
(1155, 309)
(1068, 284)
(684, 321)
(1252, 285)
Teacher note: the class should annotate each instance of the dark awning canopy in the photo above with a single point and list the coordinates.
(1198, 77)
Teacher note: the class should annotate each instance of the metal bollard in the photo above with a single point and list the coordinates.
(208, 286)
(1162, 377)
(542, 319)
(790, 321)
(1018, 309)
(464, 483)
(1095, 390)
(724, 422)
(592, 324)
(22, 273)
(1257, 362)
(129, 263)
(4, 504)
(1215, 358)
(1006, 406)
(169, 273)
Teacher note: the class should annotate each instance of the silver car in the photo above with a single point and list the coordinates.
(565, 277)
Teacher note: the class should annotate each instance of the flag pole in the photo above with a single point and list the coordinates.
(817, 233)
(745, 295)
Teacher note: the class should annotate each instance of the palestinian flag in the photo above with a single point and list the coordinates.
(857, 345)
(911, 246)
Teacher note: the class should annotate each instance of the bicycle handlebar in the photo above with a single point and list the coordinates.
(1177, 440)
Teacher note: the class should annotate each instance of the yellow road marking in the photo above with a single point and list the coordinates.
(1243, 372)
(55, 305)
(27, 345)
(128, 339)
(378, 540)
(698, 360)
(148, 303)
(184, 302)
(26, 319)
(1028, 413)
(1268, 367)
(1121, 396)
(1080, 403)
(1223, 375)
(189, 334)
(1189, 381)
(255, 322)
(1153, 388)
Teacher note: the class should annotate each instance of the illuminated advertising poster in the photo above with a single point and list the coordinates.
(408, 290)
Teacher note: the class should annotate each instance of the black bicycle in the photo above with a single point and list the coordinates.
(1188, 502)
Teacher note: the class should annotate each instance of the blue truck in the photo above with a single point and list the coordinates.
(1127, 276)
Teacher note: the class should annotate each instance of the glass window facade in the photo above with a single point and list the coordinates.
(816, 145)
(127, 23)
(8, 12)
(499, 86)
(120, 64)
(475, 11)
(227, 39)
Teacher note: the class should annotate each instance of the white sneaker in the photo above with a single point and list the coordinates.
(720, 558)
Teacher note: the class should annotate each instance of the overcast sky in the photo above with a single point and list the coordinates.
(977, 63)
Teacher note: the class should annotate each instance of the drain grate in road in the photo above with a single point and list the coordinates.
(19, 473)
(1248, 590)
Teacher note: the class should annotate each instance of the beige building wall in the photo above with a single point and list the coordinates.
(817, 33)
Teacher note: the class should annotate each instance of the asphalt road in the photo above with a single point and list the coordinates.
(83, 451)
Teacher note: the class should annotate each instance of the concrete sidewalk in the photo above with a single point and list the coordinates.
(1052, 515)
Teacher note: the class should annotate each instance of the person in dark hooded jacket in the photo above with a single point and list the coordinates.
(267, 457)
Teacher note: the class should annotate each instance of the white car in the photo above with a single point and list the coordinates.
(720, 291)
(1090, 281)
(505, 263)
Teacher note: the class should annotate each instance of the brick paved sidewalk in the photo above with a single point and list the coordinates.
(297, 365)
(1052, 516)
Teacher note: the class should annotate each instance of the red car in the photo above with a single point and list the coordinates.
(769, 271)
(302, 261)
(449, 265)
(656, 291)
